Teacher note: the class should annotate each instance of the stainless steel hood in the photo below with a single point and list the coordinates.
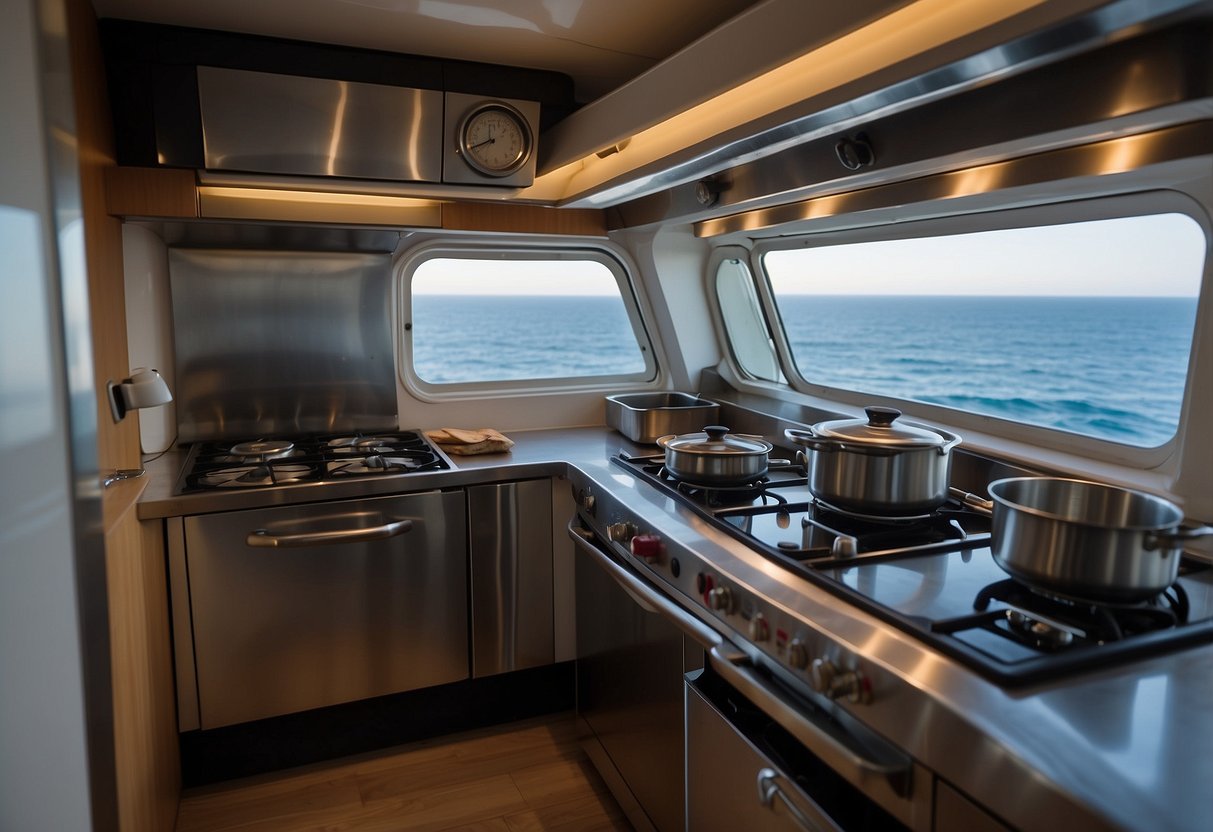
(269, 123)
(263, 122)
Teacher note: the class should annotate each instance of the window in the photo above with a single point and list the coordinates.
(744, 324)
(1082, 326)
(514, 316)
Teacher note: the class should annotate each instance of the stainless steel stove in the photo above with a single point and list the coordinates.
(271, 462)
(932, 576)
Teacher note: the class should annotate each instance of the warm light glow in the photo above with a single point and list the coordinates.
(218, 202)
(314, 197)
(901, 35)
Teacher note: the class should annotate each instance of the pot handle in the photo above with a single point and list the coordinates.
(952, 440)
(973, 501)
(1168, 540)
(810, 440)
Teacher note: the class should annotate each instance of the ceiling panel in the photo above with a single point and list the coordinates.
(600, 43)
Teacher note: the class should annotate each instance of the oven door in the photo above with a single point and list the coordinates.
(744, 771)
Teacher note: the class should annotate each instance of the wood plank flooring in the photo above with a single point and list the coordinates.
(528, 776)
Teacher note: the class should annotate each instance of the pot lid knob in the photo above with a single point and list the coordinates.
(879, 417)
(715, 432)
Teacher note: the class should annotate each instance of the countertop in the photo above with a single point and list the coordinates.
(1130, 747)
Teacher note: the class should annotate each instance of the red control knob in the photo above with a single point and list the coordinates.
(647, 547)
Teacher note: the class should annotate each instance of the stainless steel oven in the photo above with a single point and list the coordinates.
(746, 725)
(697, 755)
(284, 609)
(746, 771)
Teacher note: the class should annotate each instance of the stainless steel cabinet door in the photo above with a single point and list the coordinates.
(315, 619)
(629, 690)
(511, 553)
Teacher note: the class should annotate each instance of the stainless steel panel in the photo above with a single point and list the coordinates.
(723, 768)
(281, 343)
(284, 630)
(956, 813)
(629, 690)
(267, 123)
(1096, 159)
(510, 541)
(948, 116)
(183, 630)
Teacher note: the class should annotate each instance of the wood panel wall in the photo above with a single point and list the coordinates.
(147, 762)
(117, 444)
(145, 712)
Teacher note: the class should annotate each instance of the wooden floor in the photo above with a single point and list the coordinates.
(521, 777)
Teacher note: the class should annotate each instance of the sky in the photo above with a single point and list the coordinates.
(1159, 255)
(442, 276)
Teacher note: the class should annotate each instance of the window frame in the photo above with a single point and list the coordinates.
(938, 225)
(424, 390)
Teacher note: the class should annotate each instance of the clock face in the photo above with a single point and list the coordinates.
(495, 139)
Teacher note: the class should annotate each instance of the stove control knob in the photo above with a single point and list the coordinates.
(759, 629)
(585, 500)
(647, 547)
(621, 532)
(798, 655)
(721, 598)
(832, 681)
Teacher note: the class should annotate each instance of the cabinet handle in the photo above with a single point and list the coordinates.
(265, 539)
(769, 789)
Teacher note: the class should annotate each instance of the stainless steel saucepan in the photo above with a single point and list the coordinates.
(716, 457)
(1087, 539)
(877, 465)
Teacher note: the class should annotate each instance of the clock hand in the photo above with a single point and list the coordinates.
(489, 140)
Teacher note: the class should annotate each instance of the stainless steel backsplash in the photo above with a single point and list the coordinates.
(274, 343)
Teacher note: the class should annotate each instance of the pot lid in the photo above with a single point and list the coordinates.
(881, 428)
(716, 440)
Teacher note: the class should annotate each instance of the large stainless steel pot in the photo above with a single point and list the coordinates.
(877, 465)
(1087, 539)
(716, 457)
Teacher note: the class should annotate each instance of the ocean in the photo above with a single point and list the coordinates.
(1113, 368)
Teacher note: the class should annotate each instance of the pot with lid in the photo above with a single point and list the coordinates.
(877, 465)
(716, 457)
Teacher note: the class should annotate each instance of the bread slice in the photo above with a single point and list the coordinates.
(463, 442)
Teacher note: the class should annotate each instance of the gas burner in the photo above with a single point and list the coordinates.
(268, 463)
(716, 495)
(397, 462)
(256, 476)
(262, 449)
(361, 444)
(1037, 612)
(876, 519)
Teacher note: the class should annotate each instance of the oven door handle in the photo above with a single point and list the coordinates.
(265, 539)
(648, 598)
(812, 818)
(896, 769)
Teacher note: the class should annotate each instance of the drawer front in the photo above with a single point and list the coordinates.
(315, 621)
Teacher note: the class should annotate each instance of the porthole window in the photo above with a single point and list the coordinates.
(745, 326)
(474, 317)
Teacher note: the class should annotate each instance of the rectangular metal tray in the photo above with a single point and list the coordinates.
(645, 417)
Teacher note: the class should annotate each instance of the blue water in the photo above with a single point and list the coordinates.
(1107, 367)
